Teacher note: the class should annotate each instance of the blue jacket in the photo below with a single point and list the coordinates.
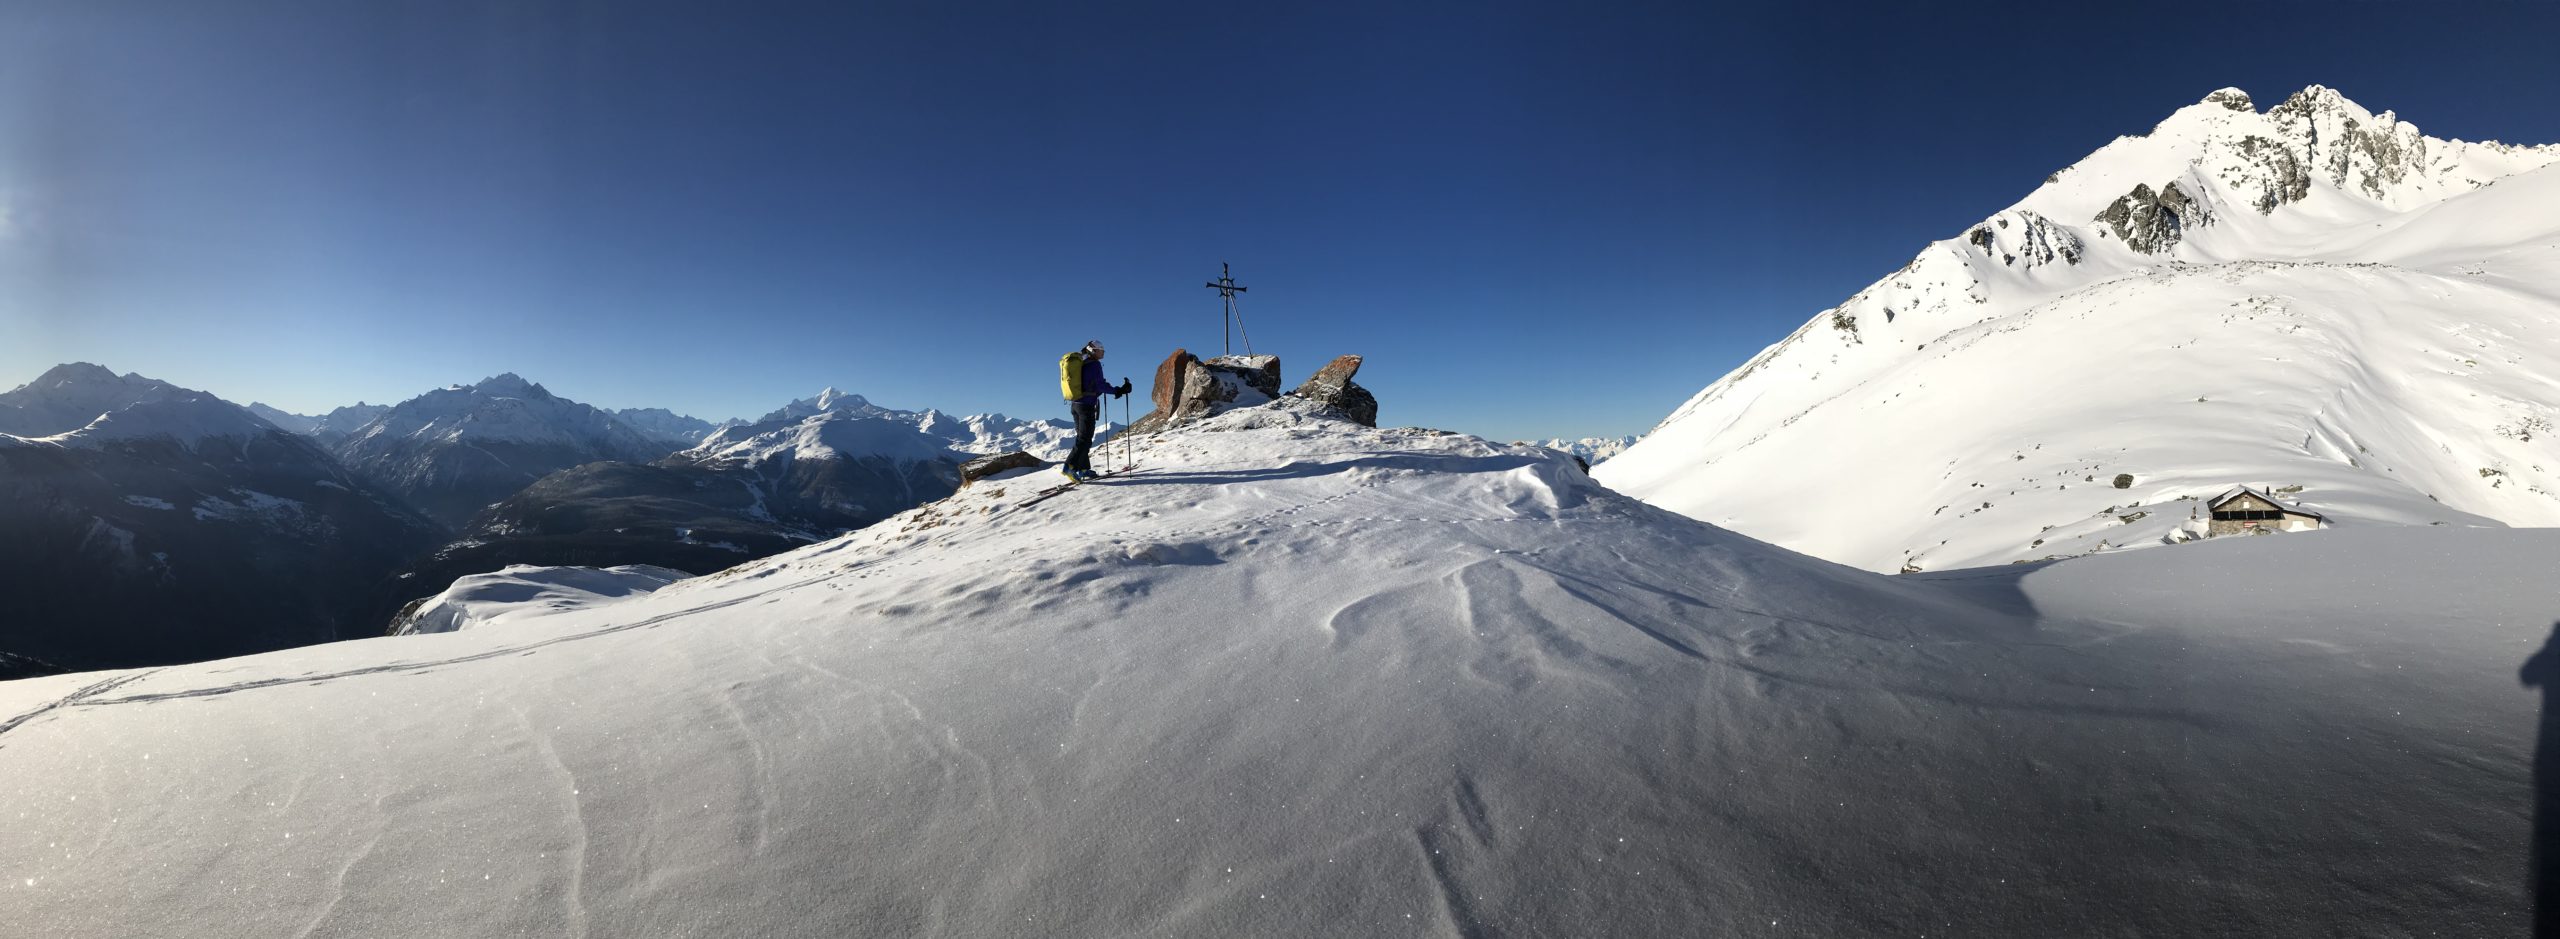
(1094, 384)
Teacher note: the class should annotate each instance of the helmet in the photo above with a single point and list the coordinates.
(1093, 348)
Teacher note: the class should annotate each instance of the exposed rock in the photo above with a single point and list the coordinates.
(1169, 375)
(2034, 239)
(986, 466)
(2284, 180)
(1211, 386)
(2152, 223)
(1260, 372)
(1332, 386)
(2232, 98)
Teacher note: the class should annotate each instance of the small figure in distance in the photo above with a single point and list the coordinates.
(1080, 379)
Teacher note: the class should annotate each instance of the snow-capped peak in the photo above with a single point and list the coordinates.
(828, 401)
(72, 403)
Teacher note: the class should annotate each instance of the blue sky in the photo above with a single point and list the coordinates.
(1536, 220)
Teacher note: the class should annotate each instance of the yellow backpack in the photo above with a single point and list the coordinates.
(1071, 374)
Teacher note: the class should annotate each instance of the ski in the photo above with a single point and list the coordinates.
(1053, 491)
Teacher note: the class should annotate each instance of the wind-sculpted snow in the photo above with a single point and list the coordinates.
(2381, 350)
(1296, 677)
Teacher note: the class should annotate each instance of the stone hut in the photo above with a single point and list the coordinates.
(2246, 511)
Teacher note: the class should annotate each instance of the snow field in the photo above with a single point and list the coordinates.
(1296, 677)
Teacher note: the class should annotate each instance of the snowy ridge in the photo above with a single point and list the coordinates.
(831, 435)
(1296, 677)
(976, 433)
(506, 409)
(84, 405)
(524, 593)
(2314, 298)
(1593, 450)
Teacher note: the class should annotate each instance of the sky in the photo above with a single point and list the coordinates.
(1534, 220)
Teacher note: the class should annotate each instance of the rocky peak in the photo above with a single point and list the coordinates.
(510, 385)
(80, 373)
(2231, 98)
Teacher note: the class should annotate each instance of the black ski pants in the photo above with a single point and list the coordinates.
(1086, 411)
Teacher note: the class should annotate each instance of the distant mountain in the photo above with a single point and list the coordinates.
(1048, 439)
(327, 428)
(668, 426)
(148, 523)
(286, 421)
(739, 497)
(1592, 450)
(455, 451)
(2314, 299)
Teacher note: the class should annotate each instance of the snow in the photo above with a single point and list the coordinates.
(825, 436)
(504, 408)
(1048, 439)
(250, 505)
(525, 593)
(1295, 677)
(2386, 346)
(1594, 450)
(149, 502)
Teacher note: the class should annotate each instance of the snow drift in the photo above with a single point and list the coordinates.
(1297, 677)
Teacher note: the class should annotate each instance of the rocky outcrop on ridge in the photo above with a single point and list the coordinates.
(1332, 386)
(1208, 386)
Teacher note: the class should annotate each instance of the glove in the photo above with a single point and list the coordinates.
(1123, 390)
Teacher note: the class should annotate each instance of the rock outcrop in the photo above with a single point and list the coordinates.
(1209, 386)
(986, 466)
(1168, 389)
(2152, 223)
(1332, 386)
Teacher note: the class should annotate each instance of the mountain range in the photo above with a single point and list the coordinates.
(149, 523)
(153, 523)
(2314, 300)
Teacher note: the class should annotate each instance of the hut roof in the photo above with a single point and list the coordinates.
(2238, 491)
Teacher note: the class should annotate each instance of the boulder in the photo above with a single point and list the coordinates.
(1169, 379)
(1259, 372)
(986, 466)
(1332, 386)
(1212, 386)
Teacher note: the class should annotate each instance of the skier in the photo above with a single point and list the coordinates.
(1080, 378)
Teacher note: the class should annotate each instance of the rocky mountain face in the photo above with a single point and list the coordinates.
(149, 524)
(2315, 298)
(455, 451)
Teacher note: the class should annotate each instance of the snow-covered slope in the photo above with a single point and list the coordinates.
(454, 451)
(1296, 678)
(522, 593)
(2314, 299)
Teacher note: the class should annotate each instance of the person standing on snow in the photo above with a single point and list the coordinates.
(1080, 378)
